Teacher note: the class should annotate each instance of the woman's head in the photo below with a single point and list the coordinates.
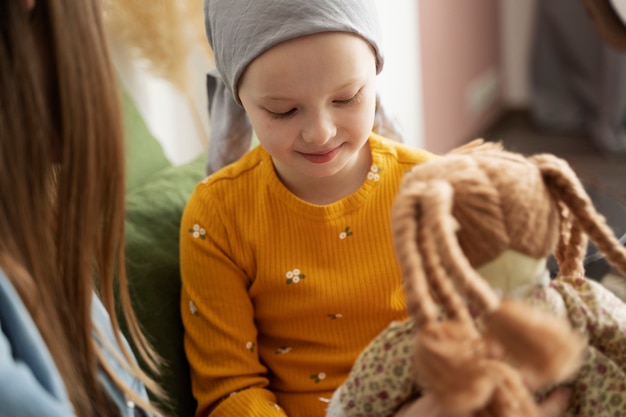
(62, 175)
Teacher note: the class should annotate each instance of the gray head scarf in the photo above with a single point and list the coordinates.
(241, 30)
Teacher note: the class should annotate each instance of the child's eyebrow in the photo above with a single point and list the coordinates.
(350, 83)
(275, 98)
(343, 86)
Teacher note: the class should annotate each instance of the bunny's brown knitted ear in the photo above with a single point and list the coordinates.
(566, 188)
(448, 346)
(440, 203)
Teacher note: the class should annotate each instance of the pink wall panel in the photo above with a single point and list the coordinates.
(459, 42)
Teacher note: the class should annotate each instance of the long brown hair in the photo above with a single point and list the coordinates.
(62, 185)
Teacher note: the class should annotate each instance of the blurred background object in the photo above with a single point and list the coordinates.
(578, 79)
(161, 56)
(609, 19)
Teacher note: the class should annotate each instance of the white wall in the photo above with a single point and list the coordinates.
(400, 82)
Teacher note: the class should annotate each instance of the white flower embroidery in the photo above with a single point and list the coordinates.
(293, 277)
(192, 308)
(346, 233)
(374, 173)
(282, 350)
(250, 346)
(198, 232)
(317, 378)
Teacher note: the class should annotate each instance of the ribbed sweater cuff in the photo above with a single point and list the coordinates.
(252, 402)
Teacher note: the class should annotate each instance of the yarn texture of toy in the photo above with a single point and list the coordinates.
(490, 333)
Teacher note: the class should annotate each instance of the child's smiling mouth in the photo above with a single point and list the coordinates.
(322, 157)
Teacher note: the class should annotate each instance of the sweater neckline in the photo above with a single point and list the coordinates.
(328, 211)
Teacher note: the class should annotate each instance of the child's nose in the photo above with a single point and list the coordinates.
(320, 128)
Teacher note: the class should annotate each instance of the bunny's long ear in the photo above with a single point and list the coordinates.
(567, 189)
(448, 347)
(429, 254)
(408, 213)
(434, 265)
(572, 244)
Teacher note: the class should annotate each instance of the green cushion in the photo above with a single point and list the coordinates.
(144, 154)
(153, 217)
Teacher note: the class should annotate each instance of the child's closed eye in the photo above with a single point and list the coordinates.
(354, 99)
(283, 115)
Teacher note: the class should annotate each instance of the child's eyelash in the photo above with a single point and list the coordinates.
(278, 116)
(284, 115)
(350, 100)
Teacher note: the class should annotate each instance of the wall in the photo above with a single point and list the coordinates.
(461, 71)
(400, 82)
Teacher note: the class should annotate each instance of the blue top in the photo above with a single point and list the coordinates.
(30, 384)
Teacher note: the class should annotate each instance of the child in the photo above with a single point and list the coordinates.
(62, 218)
(286, 256)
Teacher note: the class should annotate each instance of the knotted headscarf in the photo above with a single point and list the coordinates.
(241, 30)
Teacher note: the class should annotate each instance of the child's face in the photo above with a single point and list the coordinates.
(311, 101)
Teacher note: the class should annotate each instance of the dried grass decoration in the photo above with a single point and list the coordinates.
(162, 34)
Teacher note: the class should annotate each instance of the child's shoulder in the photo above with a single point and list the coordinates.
(245, 168)
(398, 152)
(238, 178)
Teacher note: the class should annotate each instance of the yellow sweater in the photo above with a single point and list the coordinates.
(280, 296)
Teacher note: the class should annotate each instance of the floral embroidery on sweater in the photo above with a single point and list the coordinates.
(346, 233)
(198, 232)
(282, 350)
(317, 378)
(374, 173)
(293, 277)
(275, 406)
(192, 308)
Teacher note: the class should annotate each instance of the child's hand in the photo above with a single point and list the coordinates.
(554, 406)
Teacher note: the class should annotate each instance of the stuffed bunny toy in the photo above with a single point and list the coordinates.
(490, 333)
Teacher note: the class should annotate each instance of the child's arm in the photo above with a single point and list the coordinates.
(220, 334)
